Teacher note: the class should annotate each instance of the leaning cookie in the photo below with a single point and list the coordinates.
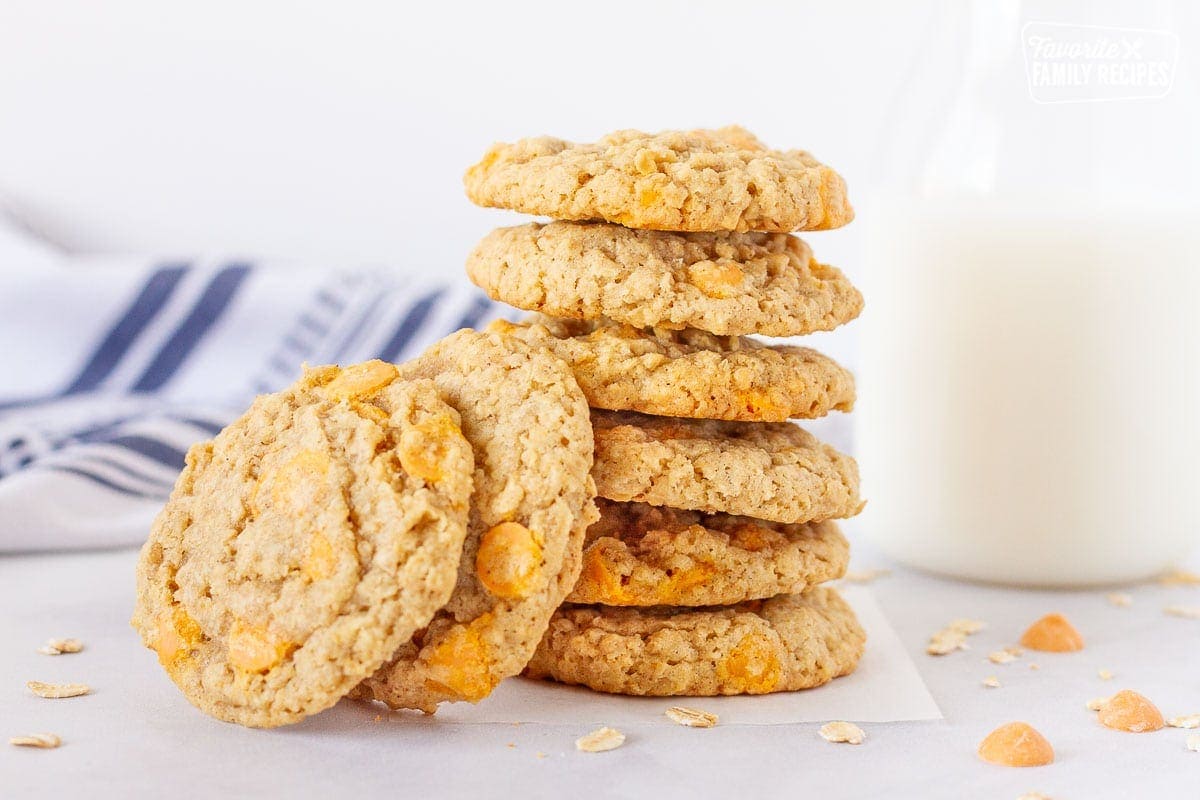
(690, 373)
(641, 555)
(778, 645)
(768, 470)
(727, 284)
(700, 180)
(305, 543)
(527, 420)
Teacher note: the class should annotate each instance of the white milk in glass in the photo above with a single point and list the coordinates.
(1029, 404)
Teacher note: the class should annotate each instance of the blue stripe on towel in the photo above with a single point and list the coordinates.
(409, 325)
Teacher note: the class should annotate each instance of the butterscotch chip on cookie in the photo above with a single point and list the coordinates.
(305, 543)
(779, 645)
(527, 420)
(690, 373)
(642, 555)
(768, 470)
(699, 180)
(727, 284)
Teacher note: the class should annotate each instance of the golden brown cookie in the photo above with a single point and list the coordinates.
(700, 180)
(727, 284)
(768, 470)
(527, 420)
(305, 543)
(690, 373)
(642, 555)
(780, 645)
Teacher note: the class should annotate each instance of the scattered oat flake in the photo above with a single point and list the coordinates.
(540, 754)
(1006, 656)
(1179, 577)
(58, 690)
(991, 682)
(691, 717)
(1120, 600)
(1034, 796)
(1187, 612)
(953, 637)
(600, 740)
(1193, 742)
(1035, 666)
(967, 626)
(46, 741)
(846, 732)
(56, 647)
(1097, 703)
(865, 575)
(1186, 721)
(1105, 675)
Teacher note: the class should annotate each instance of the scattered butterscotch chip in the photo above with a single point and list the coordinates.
(1179, 577)
(1016, 744)
(1186, 721)
(1097, 703)
(46, 741)
(600, 740)
(691, 717)
(1187, 612)
(1193, 742)
(846, 732)
(1052, 633)
(1005, 656)
(953, 637)
(865, 575)
(1129, 711)
(1104, 675)
(58, 690)
(1120, 600)
(56, 647)
(991, 682)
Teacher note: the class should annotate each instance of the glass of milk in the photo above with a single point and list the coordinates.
(1029, 405)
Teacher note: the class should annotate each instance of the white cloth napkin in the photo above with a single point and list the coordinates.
(110, 368)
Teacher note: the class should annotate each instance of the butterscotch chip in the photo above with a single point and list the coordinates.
(45, 741)
(691, 717)
(690, 373)
(772, 470)
(600, 740)
(1186, 721)
(527, 422)
(298, 551)
(649, 279)
(1016, 744)
(846, 732)
(698, 180)
(1129, 711)
(782, 644)
(57, 690)
(1052, 633)
(643, 555)
(56, 647)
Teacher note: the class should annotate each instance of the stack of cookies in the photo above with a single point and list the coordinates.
(702, 575)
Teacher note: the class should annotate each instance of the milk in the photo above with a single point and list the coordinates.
(1029, 405)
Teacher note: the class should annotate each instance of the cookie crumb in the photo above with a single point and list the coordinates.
(57, 690)
(1179, 577)
(992, 682)
(1187, 612)
(1053, 633)
(1186, 721)
(600, 740)
(511, 745)
(865, 575)
(1129, 711)
(691, 717)
(45, 741)
(378, 718)
(1193, 742)
(1104, 675)
(953, 637)
(1120, 600)
(1005, 656)
(846, 732)
(1097, 703)
(56, 647)
(1016, 744)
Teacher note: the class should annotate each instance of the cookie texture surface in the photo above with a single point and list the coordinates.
(768, 470)
(778, 645)
(690, 373)
(305, 543)
(642, 555)
(727, 284)
(527, 421)
(699, 180)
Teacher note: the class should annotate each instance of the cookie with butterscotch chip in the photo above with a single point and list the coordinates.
(690, 373)
(783, 644)
(305, 543)
(727, 284)
(698, 180)
(642, 555)
(774, 471)
(527, 420)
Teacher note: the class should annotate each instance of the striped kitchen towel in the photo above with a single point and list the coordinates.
(111, 368)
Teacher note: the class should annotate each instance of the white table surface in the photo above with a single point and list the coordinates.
(135, 736)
